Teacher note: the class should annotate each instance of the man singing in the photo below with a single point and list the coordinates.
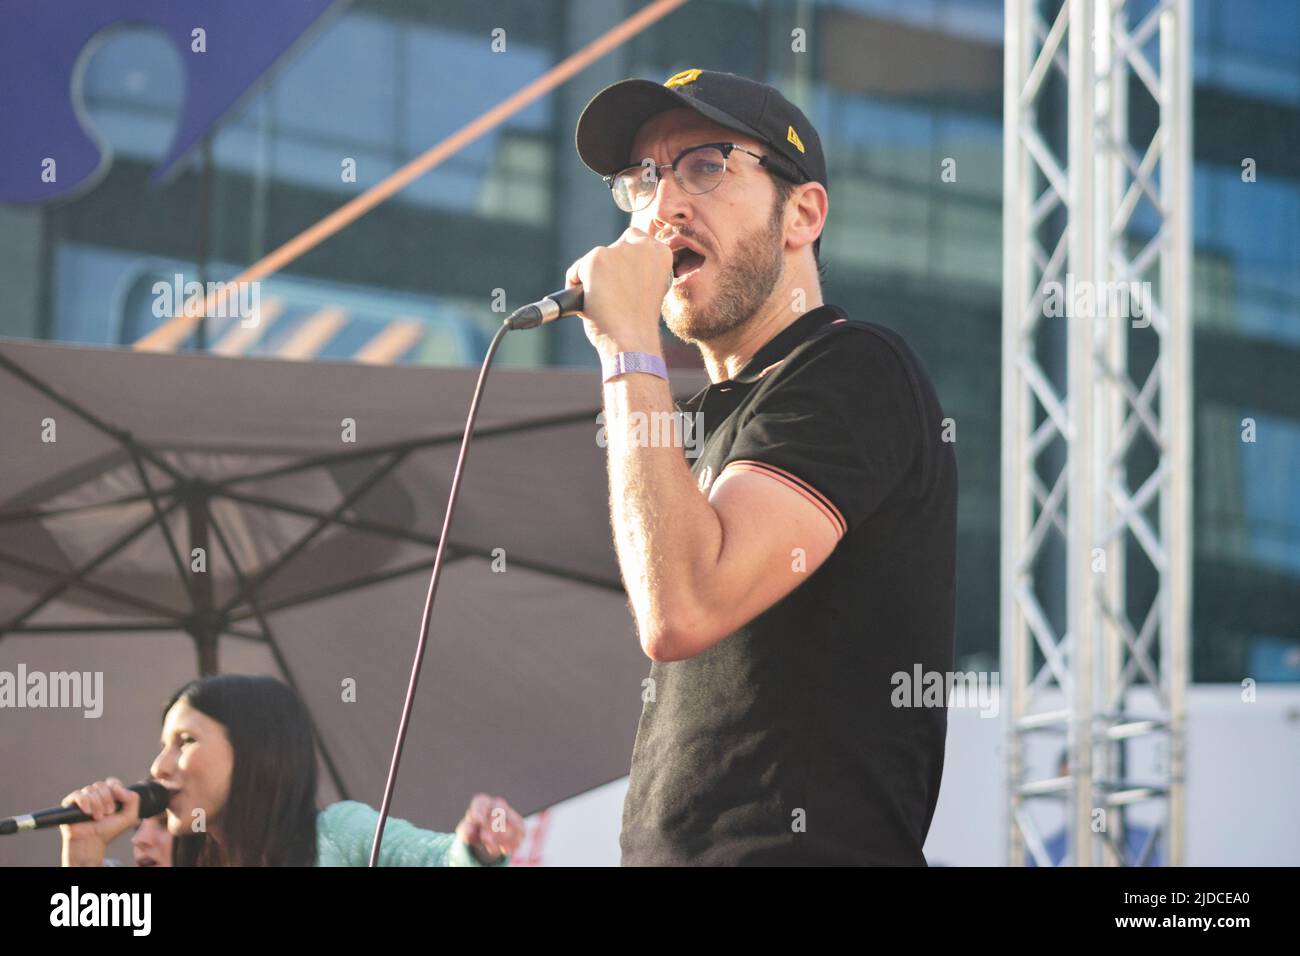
(783, 581)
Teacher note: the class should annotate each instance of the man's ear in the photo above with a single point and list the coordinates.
(808, 209)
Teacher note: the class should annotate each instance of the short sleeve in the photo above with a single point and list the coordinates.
(838, 423)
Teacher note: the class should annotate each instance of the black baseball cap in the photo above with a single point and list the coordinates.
(609, 123)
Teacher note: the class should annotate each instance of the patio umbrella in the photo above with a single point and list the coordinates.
(168, 515)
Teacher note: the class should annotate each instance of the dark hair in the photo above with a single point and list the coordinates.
(270, 814)
(784, 187)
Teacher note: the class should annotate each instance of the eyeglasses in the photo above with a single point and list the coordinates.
(697, 170)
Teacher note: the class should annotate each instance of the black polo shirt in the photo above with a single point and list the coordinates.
(781, 744)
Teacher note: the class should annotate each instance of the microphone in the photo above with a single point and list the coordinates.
(554, 306)
(153, 801)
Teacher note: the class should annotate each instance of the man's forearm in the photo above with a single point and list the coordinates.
(665, 532)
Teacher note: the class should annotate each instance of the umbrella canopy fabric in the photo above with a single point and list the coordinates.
(166, 514)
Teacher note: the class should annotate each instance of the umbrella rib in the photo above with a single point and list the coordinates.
(40, 514)
(186, 583)
(276, 651)
(294, 549)
(378, 577)
(77, 627)
(361, 524)
(455, 552)
(376, 527)
(244, 635)
(79, 573)
(543, 568)
(118, 434)
(101, 589)
(411, 444)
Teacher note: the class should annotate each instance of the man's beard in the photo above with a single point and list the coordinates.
(741, 287)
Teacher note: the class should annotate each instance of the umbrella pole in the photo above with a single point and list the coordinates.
(205, 640)
(203, 624)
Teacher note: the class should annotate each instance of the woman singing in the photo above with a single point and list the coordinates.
(238, 757)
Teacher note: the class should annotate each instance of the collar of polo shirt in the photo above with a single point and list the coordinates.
(784, 342)
(773, 353)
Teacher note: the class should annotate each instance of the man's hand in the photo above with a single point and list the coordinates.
(84, 843)
(624, 285)
(491, 828)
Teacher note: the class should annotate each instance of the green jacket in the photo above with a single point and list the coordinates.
(344, 832)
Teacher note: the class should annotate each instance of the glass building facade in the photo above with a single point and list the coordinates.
(895, 87)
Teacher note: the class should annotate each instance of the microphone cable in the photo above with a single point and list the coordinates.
(423, 641)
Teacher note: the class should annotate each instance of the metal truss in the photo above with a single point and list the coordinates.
(1096, 444)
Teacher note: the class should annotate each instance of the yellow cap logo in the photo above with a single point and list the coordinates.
(793, 137)
(682, 78)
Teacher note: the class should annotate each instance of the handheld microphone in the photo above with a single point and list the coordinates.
(554, 306)
(153, 801)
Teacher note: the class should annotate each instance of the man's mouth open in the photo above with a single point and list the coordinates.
(686, 262)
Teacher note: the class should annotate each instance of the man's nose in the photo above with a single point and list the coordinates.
(671, 202)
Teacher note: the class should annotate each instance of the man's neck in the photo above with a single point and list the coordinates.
(725, 356)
